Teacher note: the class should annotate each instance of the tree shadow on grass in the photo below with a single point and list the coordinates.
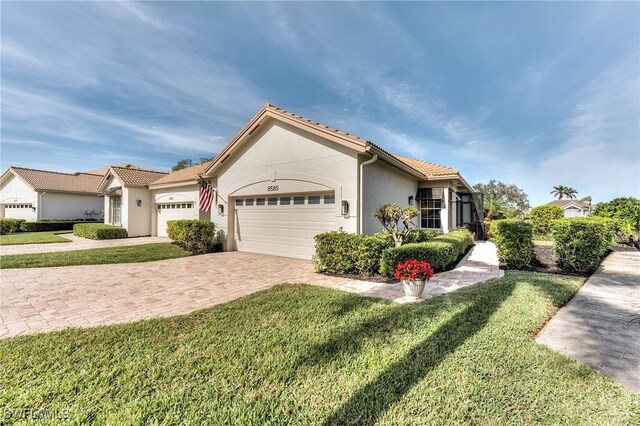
(374, 399)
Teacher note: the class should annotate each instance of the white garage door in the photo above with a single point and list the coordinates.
(283, 226)
(19, 211)
(173, 211)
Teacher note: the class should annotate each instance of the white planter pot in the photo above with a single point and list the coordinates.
(413, 288)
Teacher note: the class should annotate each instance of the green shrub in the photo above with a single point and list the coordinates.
(441, 252)
(339, 252)
(514, 240)
(79, 220)
(422, 235)
(625, 210)
(99, 231)
(9, 225)
(369, 252)
(580, 243)
(542, 217)
(196, 236)
(49, 226)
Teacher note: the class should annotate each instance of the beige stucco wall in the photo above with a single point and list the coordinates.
(138, 222)
(384, 184)
(16, 191)
(69, 206)
(295, 161)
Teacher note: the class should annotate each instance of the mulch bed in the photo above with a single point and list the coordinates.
(546, 260)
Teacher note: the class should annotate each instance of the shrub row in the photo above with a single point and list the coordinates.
(339, 252)
(580, 243)
(196, 236)
(49, 226)
(422, 235)
(99, 231)
(8, 225)
(441, 252)
(514, 240)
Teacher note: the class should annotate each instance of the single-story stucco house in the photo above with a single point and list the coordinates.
(573, 208)
(283, 179)
(36, 194)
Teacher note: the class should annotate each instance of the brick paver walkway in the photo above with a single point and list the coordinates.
(47, 299)
(600, 326)
(78, 243)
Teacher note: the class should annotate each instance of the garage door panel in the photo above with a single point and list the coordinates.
(282, 229)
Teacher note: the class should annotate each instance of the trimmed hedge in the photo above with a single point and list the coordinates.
(78, 220)
(196, 236)
(339, 252)
(9, 225)
(542, 217)
(441, 252)
(99, 231)
(580, 243)
(422, 235)
(514, 240)
(50, 226)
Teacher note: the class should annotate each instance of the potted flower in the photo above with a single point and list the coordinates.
(413, 274)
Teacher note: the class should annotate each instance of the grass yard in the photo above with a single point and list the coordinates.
(33, 238)
(299, 354)
(125, 254)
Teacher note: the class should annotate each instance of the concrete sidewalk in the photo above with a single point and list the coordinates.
(600, 326)
(78, 243)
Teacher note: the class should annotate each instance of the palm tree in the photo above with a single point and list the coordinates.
(562, 191)
(571, 193)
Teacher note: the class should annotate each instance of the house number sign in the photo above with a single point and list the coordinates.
(273, 188)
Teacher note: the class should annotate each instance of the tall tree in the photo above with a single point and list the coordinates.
(502, 199)
(182, 164)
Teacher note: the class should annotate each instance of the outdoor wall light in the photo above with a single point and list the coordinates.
(410, 200)
(139, 203)
(33, 209)
(220, 209)
(345, 208)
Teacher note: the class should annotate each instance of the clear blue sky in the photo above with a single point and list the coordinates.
(536, 94)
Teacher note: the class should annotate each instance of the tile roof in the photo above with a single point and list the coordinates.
(426, 168)
(44, 180)
(103, 170)
(135, 176)
(184, 175)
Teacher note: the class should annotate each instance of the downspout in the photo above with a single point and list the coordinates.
(361, 190)
(39, 207)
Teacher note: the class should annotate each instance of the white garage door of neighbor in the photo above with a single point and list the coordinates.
(283, 226)
(173, 211)
(19, 211)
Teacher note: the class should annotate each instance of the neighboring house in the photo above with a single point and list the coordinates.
(176, 196)
(282, 180)
(573, 208)
(36, 194)
(127, 199)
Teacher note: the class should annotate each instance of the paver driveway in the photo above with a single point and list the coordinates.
(46, 299)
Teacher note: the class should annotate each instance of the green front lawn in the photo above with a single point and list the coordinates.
(307, 355)
(125, 254)
(33, 238)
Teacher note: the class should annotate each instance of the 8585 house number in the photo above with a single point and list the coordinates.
(273, 188)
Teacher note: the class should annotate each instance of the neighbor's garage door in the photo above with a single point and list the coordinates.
(173, 211)
(283, 226)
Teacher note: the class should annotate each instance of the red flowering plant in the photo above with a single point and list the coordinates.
(412, 270)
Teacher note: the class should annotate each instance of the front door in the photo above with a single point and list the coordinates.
(116, 209)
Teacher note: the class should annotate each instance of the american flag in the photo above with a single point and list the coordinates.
(206, 196)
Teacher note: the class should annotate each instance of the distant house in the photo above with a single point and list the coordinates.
(36, 194)
(573, 208)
